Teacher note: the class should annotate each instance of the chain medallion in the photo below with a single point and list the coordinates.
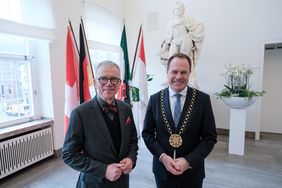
(175, 140)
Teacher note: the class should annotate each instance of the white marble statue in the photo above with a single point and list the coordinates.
(185, 34)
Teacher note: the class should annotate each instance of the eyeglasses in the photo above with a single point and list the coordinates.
(104, 80)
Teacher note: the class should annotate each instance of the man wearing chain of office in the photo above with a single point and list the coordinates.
(179, 129)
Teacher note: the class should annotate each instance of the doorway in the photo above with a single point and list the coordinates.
(271, 107)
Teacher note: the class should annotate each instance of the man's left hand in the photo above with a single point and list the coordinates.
(127, 165)
(182, 164)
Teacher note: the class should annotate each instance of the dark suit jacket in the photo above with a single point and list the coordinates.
(89, 148)
(198, 138)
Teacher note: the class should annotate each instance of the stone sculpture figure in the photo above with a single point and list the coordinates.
(185, 35)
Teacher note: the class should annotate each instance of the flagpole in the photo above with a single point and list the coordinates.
(87, 49)
(73, 35)
(76, 45)
(136, 49)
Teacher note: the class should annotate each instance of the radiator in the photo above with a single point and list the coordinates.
(20, 152)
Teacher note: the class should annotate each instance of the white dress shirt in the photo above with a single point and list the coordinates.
(172, 99)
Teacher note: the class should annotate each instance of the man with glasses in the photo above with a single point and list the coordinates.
(101, 141)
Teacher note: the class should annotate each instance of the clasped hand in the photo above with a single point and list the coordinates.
(115, 170)
(175, 166)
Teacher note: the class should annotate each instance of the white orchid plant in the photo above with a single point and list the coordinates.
(238, 82)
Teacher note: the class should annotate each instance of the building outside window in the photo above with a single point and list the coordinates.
(18, 69)
(16, 99)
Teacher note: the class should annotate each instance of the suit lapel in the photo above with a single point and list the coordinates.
(186, 106)
(122, 115)
(102, 124)
(187, 101)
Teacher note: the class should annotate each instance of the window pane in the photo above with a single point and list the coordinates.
(101, 55)
(15, 89)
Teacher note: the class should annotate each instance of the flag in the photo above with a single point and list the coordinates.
(123, 93)
(139, 83)
(71, 84)
(85, 69)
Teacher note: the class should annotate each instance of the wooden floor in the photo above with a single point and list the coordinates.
(260, 167)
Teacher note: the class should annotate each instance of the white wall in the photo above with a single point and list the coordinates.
(272, 102)
(63, 11)
(236, 32)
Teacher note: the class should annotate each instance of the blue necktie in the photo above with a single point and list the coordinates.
(177, 109)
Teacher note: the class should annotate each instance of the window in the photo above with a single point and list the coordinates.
(16, 100)
(101, 55)
(16, 80)
(19, 74)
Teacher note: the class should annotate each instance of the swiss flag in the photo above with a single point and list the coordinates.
(71, 89)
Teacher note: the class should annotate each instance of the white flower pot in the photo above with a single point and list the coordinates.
(238, 102)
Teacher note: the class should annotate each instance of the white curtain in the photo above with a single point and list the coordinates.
(101, 25)
(37, 13)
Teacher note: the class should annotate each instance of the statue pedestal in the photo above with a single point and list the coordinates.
(237, 131)
(237, 123)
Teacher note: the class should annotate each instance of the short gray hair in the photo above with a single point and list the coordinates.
(107, 63)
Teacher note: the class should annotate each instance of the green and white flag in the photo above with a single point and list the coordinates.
(139, 87)
(123, 92)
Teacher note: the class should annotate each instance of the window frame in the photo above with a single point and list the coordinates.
(34, 89)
